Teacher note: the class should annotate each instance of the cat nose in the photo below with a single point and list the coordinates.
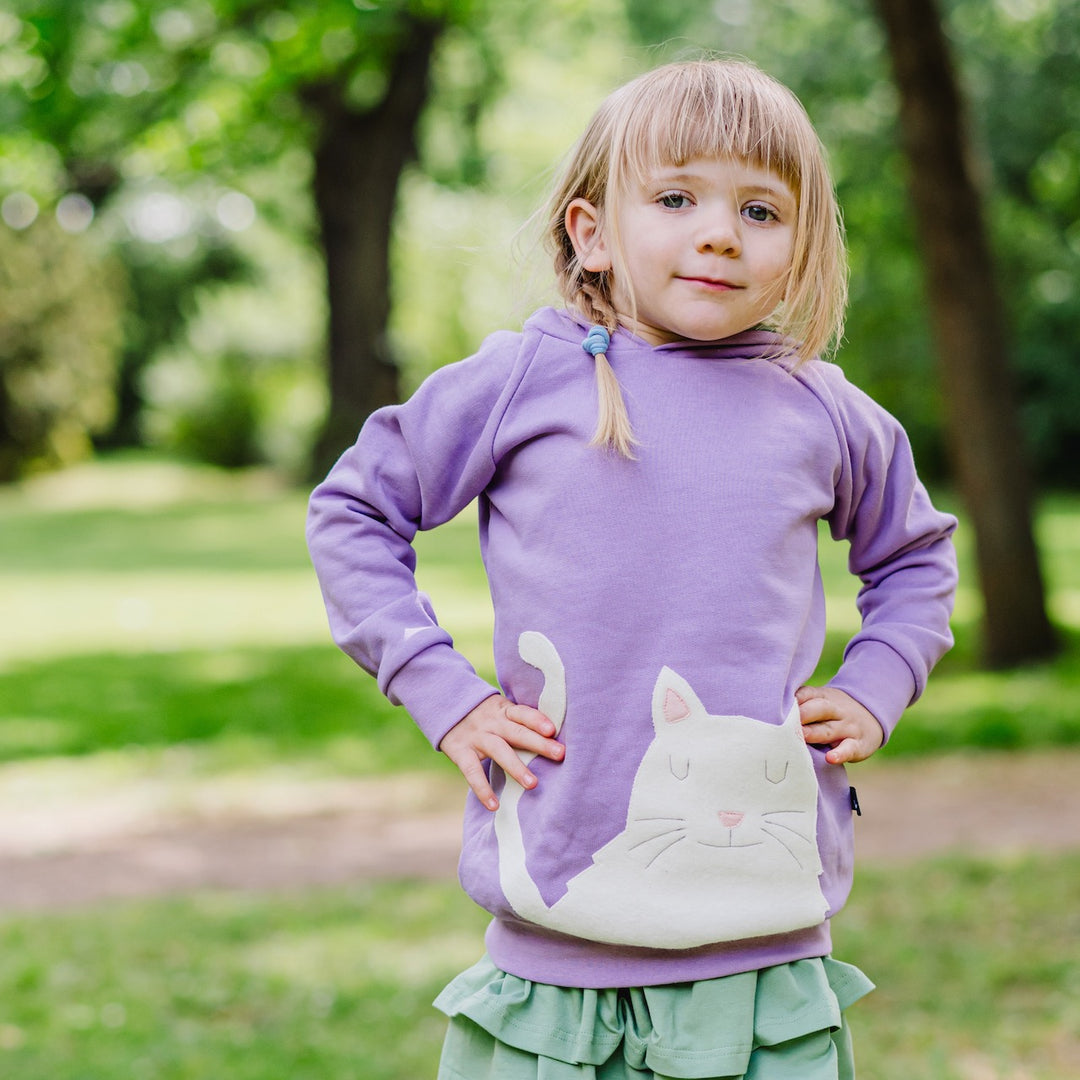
(730, 818)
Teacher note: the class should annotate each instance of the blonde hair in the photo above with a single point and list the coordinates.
(672, 115)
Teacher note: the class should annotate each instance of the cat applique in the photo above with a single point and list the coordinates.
(720, 842)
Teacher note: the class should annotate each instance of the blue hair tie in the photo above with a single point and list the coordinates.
(596, 341)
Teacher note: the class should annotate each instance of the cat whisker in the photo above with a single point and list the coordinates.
(658, 836)
(664, 851)
(786, 828)
(785, 845)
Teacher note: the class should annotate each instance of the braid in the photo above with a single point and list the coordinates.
(613, 429)
(589, 293)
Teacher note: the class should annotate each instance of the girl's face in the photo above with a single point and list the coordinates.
(706, 247)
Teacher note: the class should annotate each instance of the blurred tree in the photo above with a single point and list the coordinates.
(80, 94)
(362, 148)
(991, 466)
(58, 346)
(1021, 65)
(175, 107)
(114, 93)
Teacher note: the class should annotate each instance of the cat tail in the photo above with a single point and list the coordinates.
(537, 651)
(518, 887)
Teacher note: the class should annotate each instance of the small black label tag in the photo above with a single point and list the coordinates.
(855, 802)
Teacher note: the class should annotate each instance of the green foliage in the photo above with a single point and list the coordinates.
(196, 101)
(161, 112)
(60, 334)
(1024, 71)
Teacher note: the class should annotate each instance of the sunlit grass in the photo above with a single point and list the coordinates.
(247, 706)
(206, 561)
(147, 605)
(156, 611)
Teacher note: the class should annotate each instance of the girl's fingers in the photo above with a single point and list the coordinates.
(831, 717)
(530, 730)
(529, 717)
(477, 780)
(818, 734)
(507, 760)
(843, 752)
(497, 729)
(814, 706)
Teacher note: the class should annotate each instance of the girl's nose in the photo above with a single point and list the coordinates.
(719, 236)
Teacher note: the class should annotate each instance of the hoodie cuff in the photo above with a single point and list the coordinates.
(438, 687)
(879, 678)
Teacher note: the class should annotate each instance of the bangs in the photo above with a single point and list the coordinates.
(707, 111)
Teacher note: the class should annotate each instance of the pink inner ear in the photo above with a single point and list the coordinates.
(675, 709)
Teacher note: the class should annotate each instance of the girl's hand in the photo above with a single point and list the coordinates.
(831, 716)
(497, 729)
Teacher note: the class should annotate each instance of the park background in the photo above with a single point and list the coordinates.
(170, 336)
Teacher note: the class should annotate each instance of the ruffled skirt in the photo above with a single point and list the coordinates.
(783, 1021)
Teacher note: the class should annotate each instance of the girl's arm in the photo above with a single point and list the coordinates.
(901, 550)
(414, 466)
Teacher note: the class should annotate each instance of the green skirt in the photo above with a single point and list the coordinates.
(784, 1021)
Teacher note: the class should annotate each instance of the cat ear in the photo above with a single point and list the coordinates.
(675, 709)
(673, 700)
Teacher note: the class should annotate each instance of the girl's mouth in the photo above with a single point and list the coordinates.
(711, 283)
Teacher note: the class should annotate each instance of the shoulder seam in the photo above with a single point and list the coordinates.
(527, 349)
(819, 393)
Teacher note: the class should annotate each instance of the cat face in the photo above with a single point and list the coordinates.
(725, 783)
(720, 837)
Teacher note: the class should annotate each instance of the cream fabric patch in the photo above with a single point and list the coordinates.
(720, 838)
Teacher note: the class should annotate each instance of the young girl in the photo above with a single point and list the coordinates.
(659, 819)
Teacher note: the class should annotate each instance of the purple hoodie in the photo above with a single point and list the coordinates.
(667, 608)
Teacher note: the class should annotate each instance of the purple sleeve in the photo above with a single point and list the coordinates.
(414, 466)
(901, 550)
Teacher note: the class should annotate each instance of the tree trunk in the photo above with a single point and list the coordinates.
(984, 433)
(358, 164)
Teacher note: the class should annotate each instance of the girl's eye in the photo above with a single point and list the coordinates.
(760, 213)
(674, 200)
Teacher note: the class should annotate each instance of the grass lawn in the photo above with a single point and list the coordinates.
(149, 605)
(976, 965)
(155, 612)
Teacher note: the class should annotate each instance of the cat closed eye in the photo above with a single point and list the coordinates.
(774, 774)
(680, 768)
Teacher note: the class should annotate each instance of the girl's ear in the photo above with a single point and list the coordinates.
(583, 227)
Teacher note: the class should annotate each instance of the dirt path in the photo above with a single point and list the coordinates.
(123, 841)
